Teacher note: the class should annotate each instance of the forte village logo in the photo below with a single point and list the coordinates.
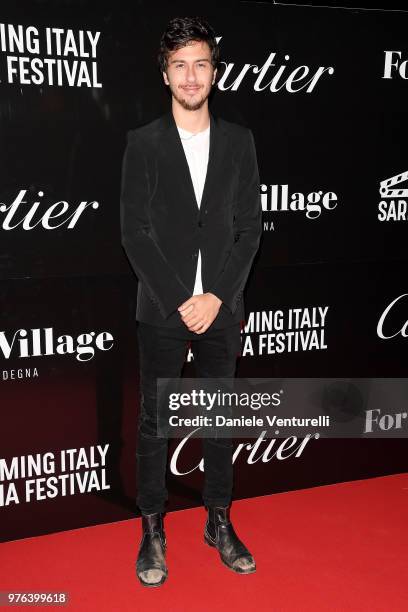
(393, 207)
(27, 215)
(276, 198)
(393, 66)
(43, 342)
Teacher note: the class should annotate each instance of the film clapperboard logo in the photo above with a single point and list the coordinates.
(395, 209)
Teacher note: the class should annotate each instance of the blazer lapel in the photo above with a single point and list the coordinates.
(177, 165)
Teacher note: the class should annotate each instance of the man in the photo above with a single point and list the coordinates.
(191, 225)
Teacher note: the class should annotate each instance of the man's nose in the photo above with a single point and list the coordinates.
(191, 76)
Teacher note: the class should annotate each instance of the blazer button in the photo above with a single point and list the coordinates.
(194, 256)
(200, 224)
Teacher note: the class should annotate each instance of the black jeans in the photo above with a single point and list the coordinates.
(162, 353)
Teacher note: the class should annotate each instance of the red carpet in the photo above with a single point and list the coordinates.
(333, 548)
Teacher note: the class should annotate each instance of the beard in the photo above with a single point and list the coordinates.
(190, 104)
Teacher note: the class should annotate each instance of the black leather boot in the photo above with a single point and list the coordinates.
(219, 532)
(151, 566)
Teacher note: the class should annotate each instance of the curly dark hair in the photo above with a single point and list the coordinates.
(182, 30)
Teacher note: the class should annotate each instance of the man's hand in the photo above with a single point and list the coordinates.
(199, 311)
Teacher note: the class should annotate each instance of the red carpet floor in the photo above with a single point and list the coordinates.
(335, 548)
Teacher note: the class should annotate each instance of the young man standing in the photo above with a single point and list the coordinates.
(191, 226)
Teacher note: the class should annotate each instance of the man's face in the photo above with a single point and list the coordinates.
(190, 74)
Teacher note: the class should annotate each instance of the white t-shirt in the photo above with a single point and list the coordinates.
(196, 147)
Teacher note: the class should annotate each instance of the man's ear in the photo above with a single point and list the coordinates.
(166, 80)
(214, 76)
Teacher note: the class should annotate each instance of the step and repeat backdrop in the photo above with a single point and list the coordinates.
(325, 93)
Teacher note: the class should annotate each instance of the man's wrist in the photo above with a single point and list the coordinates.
(216, 297)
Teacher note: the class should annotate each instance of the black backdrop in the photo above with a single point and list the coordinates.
(342, 138)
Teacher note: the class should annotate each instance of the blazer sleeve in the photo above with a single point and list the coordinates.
(147, 260)
(230, 284)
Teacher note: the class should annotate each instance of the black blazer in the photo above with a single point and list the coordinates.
(163, 228)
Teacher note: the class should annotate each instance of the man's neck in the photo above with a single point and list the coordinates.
(192, 121)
